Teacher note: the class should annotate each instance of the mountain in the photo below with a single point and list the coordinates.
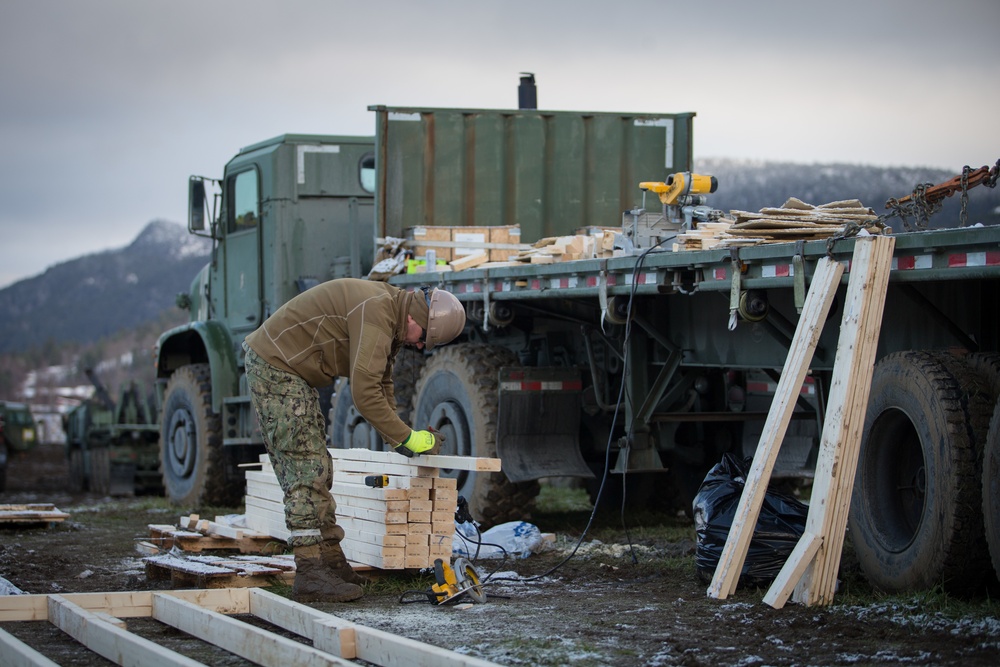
(85, 299)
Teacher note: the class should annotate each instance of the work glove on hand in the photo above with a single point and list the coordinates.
(417, 443)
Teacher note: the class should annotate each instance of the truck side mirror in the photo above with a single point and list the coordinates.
(196, 204)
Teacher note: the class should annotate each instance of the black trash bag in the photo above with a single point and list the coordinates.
(781, 523)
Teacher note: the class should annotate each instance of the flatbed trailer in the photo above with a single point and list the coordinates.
(690, 380)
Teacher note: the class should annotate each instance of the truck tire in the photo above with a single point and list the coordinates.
(915, 517)
(348, 429)
(191, 457)
(991, 489)
(457, 394)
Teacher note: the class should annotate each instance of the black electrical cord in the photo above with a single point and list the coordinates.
(607, 451)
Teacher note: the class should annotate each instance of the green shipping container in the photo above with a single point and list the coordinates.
(551, 172)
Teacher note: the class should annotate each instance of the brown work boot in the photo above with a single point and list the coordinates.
(317, 582)
(333, 557)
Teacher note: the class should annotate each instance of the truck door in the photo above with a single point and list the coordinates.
(242, 253)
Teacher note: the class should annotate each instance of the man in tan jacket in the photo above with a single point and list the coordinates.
(342, 328)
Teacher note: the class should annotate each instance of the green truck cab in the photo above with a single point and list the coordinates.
(288, 213)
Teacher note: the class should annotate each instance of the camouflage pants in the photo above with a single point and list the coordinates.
(294, 434)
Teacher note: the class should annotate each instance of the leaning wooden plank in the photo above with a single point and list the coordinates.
(800, 558)
(814, 311)
(235, 636)
(849, 389)
(15, 653)
(109, 641)
(303, 620)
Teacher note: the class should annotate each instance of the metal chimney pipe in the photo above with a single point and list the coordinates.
(527, 92)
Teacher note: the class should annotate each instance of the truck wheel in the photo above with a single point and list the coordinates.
(457, 394)
(348, 429)
(991, 489)
(191, 457)
(915, 520)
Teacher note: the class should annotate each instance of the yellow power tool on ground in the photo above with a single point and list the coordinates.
(454, 583)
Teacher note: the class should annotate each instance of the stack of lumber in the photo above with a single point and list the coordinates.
(31, 513)
(407, 524)
(796, 219)
(704, 236)
(792, 221)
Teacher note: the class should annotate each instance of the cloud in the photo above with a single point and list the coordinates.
(109, 105)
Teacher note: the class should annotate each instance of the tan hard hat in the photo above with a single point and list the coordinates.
(445, 319)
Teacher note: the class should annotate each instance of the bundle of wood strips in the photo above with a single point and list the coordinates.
(793, 220)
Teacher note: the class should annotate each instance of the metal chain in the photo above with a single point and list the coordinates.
(963, 216)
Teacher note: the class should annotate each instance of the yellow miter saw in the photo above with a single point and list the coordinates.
(455, 582)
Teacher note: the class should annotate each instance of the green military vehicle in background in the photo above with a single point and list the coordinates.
(643, 362)
(112, 447)
(18, 434)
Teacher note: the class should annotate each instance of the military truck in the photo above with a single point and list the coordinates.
(18, 434)
(112, 447)
(565, 369)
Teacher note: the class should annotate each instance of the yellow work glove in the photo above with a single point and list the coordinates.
(418, 442)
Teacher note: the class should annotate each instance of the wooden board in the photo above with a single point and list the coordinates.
(205, 614)
(814, 311)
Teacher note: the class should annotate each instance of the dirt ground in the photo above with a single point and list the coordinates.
(600, 608)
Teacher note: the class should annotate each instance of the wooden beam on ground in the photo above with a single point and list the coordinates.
(245, 640)
(814, 312)
(15, 653)
(371, 645)
(119, 646)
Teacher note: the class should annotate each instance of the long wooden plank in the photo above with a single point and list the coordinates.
(470, 463)
(107, 640)
(847, 405)
(810, 326)
(371, 645)
(136, 604)
(245, 640)
(800, 558)
(15, 653)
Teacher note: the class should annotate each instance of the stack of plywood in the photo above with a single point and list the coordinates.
(406, 524)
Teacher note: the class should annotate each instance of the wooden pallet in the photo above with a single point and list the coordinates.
(95, 620)
(31, 513)
(195, 535)
(187, 571)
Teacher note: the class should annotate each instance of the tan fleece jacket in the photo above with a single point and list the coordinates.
(343, 328)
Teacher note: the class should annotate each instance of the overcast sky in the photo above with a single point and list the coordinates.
(109, 105)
